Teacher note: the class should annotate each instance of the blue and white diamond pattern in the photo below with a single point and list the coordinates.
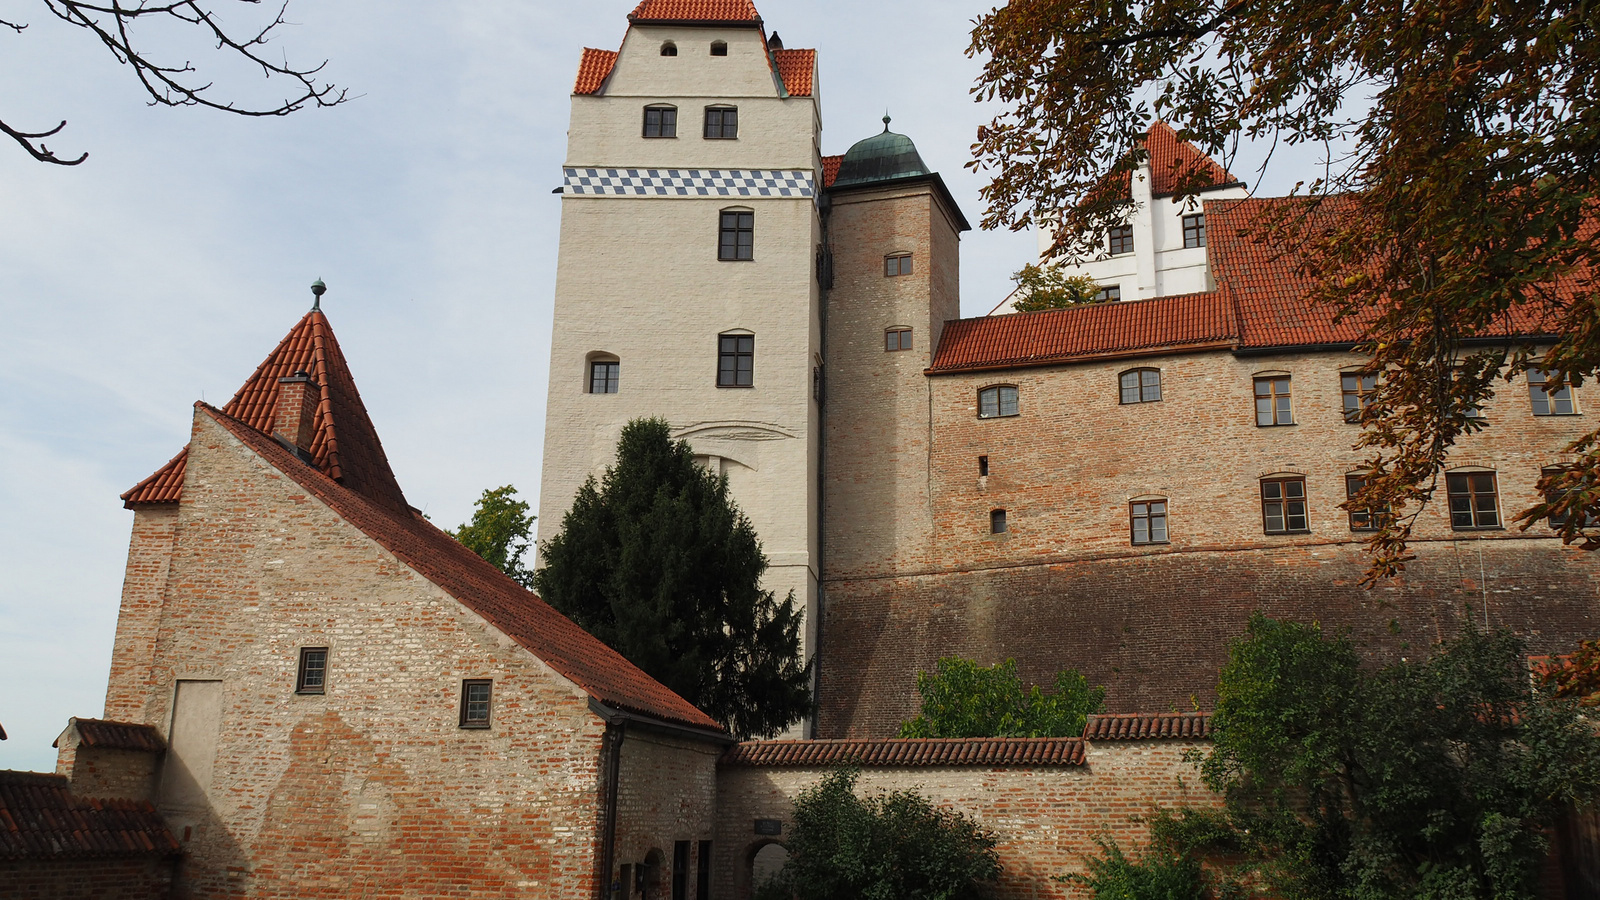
(688, 183)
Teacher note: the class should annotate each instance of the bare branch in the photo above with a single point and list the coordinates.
(12, 25)
(30, 142)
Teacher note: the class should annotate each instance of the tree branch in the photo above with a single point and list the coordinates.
(29, 141)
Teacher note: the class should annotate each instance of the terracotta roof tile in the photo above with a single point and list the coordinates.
(40, 819)
(594, 69)
(1181, 322)
(830, 169)
(695, 11)
(596, 668)
(1171, 159)
(117, 735)
(908, 753)
(1149, 727)
(344, 445)
(796, 67)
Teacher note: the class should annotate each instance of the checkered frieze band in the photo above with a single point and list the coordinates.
(688, 183)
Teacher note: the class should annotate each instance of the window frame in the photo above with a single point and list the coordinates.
(1108, 293)
(719, 48)
(1537, 395)
(669, 48)
(898, 335)
(612, 379)
(1472, 494)
(999, 404)
(1140, 386)
(900, 262)
(1552, 496)
(1194, 230)
(467, 719)
(739, 351)
(1273, 397)
(1284, 500)
(998, 521)
(664, 129)
(1119, 236)
(302, 684)
(743, 231)
(1149, 516)
(1365, 385)
(722, 125)
(1363, 520)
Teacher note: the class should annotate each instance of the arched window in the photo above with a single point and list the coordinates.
(719, 48)
(669, 49)
(722, 123)
(997, 401)
(660, 121)
(604, 370)
(736, 359)
(1147, 521)
(897, 338)
(736, 234)
(1140, 386)
(1474, 499)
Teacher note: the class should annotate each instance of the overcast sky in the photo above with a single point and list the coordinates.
(164, 269)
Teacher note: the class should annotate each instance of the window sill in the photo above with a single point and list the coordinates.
(310, 693)
(1285, 533)
(1150, 544)
(475, 727)
(733, 259)
(744, 387)
(1278, 425)
(1570, 415)
(1006, 416)
(721, 139)
(1472, 528)
(660, 137)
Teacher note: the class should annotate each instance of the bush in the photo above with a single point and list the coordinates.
(964, 699)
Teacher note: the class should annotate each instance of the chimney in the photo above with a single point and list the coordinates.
(296, 414)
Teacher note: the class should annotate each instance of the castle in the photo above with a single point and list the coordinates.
(317, 693)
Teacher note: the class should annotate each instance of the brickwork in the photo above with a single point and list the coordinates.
(667, 794)
(370, 788)
(96, 772)
(78, 879)
(149, 550)
(1045, 819)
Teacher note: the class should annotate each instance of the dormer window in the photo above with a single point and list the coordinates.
(719, 48)
(669, 49)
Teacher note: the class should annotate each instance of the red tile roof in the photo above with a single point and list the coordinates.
(695, 11)
(117, 735)
(597, 669)
(1183, 322)
(796, 67)
(830, 169)
(594, 69)
(40, 819)
(344, 445)
(1171, 159)
(1149, 727)
(908, 753)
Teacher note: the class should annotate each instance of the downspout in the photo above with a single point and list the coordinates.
(612, 752)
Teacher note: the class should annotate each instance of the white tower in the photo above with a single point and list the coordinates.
(686, 285)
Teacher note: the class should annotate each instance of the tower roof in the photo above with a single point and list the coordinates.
(344, 443)
(706, 12)
(881, 157)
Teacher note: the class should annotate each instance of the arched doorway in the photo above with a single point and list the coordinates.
(765, 861)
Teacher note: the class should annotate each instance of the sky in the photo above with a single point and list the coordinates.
(167, 266)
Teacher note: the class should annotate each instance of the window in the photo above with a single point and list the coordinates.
(603, 377)
(994, 402)
(1110, 292)
(1472, 500)
(1560, 522)
(736, 360)
(1356, 388)
(669, 49)
(1140, 386)
(722, 122)
(1362, 519)
(896, 264)
(983, 467)
(1547, 402)
(1194, 230)
(660, 121)
(680, 870)
(1121, 239)
(1272, 401)
(738, 235)
(997, 521)
(897, 339)
(313, 676)
(719, 48)
(1283, 505)
(702, 872)
(1148, 521)
(475, 702)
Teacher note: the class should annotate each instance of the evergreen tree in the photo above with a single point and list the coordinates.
(500, 532)
(656, 560)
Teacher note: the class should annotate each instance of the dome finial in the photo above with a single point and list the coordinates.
(886, 121)
(317, 290)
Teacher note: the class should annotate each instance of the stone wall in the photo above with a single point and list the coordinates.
(667, 794)
(149, 549)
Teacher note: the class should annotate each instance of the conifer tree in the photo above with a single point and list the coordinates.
(656, 560)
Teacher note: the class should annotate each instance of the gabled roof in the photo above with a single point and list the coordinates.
(595, 668)
(1171, 159)
(594, 69)
(796, 67)
(696, 11)
(41, 819)
(907, 753)
(1148, 727)
(106, 735)
(344, 446)
(830, 169)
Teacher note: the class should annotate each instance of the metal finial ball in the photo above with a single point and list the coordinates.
(318, 288)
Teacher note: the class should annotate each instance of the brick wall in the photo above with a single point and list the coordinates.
(149, 549)
(79, 879)
(667, 794)
(1045, 819)
(105, 772)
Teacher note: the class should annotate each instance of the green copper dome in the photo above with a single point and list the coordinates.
(880, 158)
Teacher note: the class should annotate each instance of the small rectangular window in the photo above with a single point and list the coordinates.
(737, 236)
(995, 402)
(1556, 402)
(603, 377)
(1194, 230)
(736, 360)
(1473, 501)
(983, 466)
(702, 872)
(1356, 388)
(897, 339)
(1560, 522)
(475, 696)
(1121, 240)
(997, 521)
(1108, 293)
(1362, 519)
(722, 123)
(660, 122)
(1272, 401)
(680, 870)
(1283, 506)
(313, 675)
(1140, 386)
(1148, 521)
(897, 264)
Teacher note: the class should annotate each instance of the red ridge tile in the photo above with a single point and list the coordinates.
(594, 69)
(796, 67)
(695, 11)
(1149, 727)
(908, 753)
(118, 735)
